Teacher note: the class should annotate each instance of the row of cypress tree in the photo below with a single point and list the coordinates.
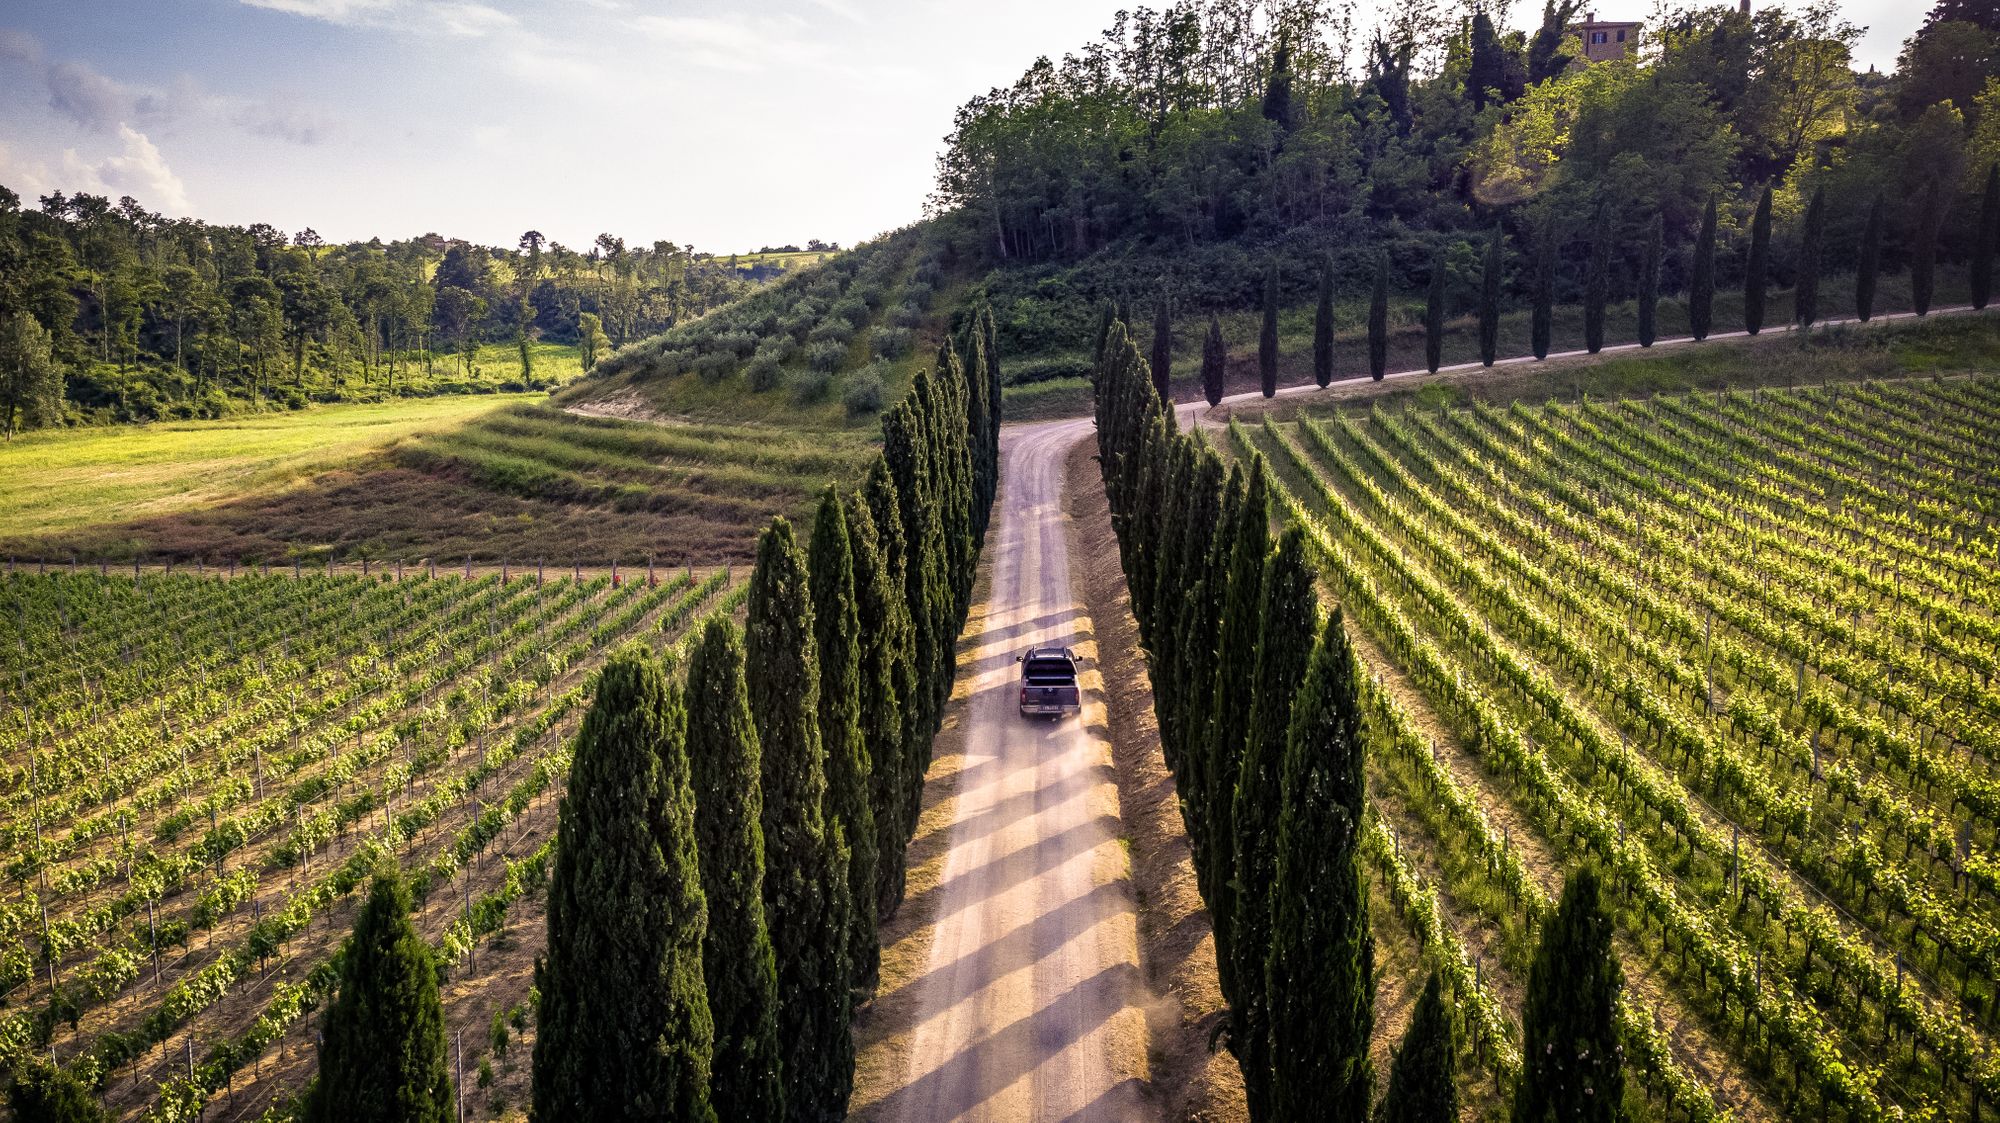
(1596, 290)
(727, 845)
(1257, 692)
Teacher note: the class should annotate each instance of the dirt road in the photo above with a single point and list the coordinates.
(1032, 1006)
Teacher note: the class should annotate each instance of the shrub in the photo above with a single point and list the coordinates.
(763, 370)
(918, 293)
(832, 329)
(892, 343)
(735, 342)
(809, 386)
(826, 357)
(853, 310)
(906, 315)
(866, 390)
(714, 366)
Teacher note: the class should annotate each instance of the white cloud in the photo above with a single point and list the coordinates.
(331, 11)
(471, 20)
(139, 170)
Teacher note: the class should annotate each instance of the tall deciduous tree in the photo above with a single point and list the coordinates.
(1489, 300)
(849, 780)
(1163, 350)
(805, 859)
(1986, 239)
(1290, 618)
(1541, 317)
(746, 1076)
(1757, 265)
(1649, 280)
(1214, 363)
(30, 383)
(1320, 973)
(1701, 276)
(1572, 1062)
(1323, 327)
(1267, 336)
(1434, 297)
(1423, 1079)
(1378, 321)
(624, 1029)
(1805, 293)
(1597, 282)
(1868, 263)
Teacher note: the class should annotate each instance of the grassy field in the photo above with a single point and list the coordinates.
(62, 480)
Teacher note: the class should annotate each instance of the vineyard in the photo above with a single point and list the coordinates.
(202, 768)
(1739, 648)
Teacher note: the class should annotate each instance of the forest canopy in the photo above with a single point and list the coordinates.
(1188, 147)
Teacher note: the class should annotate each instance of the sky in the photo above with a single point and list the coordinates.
(726, 126)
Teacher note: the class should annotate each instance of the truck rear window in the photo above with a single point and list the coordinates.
(1055, 670)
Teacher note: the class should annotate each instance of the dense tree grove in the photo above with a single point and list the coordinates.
(1177, 146)
(710, 924)
(1260, 724)
(150, 316)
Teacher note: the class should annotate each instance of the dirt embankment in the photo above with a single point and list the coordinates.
(1176, 943)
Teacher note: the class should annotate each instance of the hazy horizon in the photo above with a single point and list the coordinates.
(698, 123)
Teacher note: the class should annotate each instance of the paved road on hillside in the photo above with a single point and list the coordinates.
(1032, 1006)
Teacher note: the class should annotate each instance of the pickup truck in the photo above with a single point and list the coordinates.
(1048, 682)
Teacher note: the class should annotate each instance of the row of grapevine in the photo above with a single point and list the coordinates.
(1639, 594)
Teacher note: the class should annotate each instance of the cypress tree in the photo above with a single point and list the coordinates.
(1423, 1079)
(1214, 363)
(991, 331)
(1267, 337)
(1378, 321)
(895, 636)
(1597, 283)
(1572, 1062)
(1542, 317)
(883, 631)
(1291, 621)
(383, 1051)
(850, 790)
(40, 1092)
(1701, 280)
(1323, 327)
(1649, 280)
(1320, 973)
(1237, 640)
(1183, 667)
(906, 459)
(1199, 679)
(1105, 318)
(1868, 266)
(1806, 291)
(1757, 265)
(1163, 351)
(624, 1027)
(1434, 315)
(805, 864)
(1986, 239)
(1923, 256)
(1489, 301)
(1163, 603)
(747, 1073)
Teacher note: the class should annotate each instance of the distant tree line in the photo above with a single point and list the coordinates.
(732, 835)
(146, 316)
(1257, 691)
(1189, 147)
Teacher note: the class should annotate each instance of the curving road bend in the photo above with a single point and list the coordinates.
(1032, 1006)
